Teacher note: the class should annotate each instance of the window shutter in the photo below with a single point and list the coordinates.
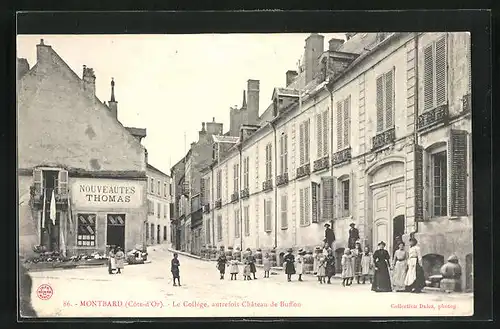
(301, 142)
(419, 183)
(270, 162)
(284, 219)
(314, 201)
(307, 140)
(428, 78)
(351, 193)
(307, 207)
(441, 71)
(389, 97)
(347, 110)
(327, 184)
(62, 182)
(202, 191)
(325, 132)
(267, 204)
(319, 135)
(37, 180)
(339, 126)
(380, 103)
(285, 156)
(458, 168)
(301, 206)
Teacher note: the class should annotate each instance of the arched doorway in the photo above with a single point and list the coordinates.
(432, 264)
(398, 229)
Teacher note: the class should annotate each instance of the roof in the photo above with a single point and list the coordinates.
(359, 43)
(285, 92)
(225, 139)
(149, 166)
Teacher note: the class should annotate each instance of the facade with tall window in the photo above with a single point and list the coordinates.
(81, 173)
(380, 137)
(157, 227)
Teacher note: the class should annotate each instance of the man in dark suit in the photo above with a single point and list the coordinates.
(329, 235)
(353, 236)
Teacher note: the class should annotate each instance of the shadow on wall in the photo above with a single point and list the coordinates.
(432, 264)
(338, 259)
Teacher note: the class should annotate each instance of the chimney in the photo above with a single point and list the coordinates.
(244, 104)
(113, 104)
(202, 134)
(213, 128)
(43, 53)
(253, 89)
(22, 67)
(313, 50)
(349, 35)
(290, 77)
(88, 78)
(335, 44)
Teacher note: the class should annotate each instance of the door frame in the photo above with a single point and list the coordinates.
(124, 230)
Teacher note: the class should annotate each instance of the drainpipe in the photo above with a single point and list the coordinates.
(415, 132)
(275, 188)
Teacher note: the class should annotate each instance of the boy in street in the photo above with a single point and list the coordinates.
(175, 269)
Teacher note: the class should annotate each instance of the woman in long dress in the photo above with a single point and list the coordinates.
(299, 268)
(120, 259)
(381, 260)
(251, 262)
(289, 261)
(347, 268)
(357, 254)
(329, 266)
(399, 265)
(414, 280)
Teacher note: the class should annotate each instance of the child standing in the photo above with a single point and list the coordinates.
(111, 260)
(329, 265)
(246, 271)
(289, 261)
(175, 269)
(266, 263)
(120, 259)
(347, 268)
(221, 264)
(300, 263)
(367, 265)
(234, 270)
(321, 269)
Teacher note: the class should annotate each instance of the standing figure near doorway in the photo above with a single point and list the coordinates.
(353, 236)
(111, 260)
(381, 279)
(357, 255)
(329, 235)
(399, 265)
(347, 268)
(414, 280)
(120, 259)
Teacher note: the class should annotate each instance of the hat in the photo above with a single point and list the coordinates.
(381, 243)
(352, 224)
(414, 240)
(358, 242)
(248, 249)
(289, 250)
(327, 225)
(301, 250)
(401, 242)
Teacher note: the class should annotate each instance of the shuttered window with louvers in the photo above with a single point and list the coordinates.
(389, 99)
(302, 206)
(325, 133)
(347, 119)
(419, 184)
(202, 191)
(440, 71)
(328, 188)
(268, 217)
(284, 211)
(380, 104)
(307, 206)
(428, 78)
(339, 126)
(247, 221)
(458, 166)
(319, 135)
(307, 142)
(314, 201)
(301, 144)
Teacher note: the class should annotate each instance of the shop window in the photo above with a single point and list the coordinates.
(86, 235)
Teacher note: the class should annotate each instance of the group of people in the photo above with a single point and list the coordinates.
(406, 266)
(249, 268)
(116, 260)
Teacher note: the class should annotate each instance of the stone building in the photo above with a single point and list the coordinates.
(375, 131)
(72, 148)
(157, 227)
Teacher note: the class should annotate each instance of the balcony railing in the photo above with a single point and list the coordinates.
(61, 195)
(433, 117)
(206, 208)
(467, 103)
(218, 204)
(321, 164)
(282, 179)
(304, 170)
(234, 197)
(245, 193)
(341, 156)
(267, 185)
(384, 138)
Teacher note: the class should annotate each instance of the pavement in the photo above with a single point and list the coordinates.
(147, 291)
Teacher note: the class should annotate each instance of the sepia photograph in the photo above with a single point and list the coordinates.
(158, 174)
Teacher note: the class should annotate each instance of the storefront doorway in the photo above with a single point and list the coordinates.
(115, 230)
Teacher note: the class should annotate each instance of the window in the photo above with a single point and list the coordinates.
(151, 207)
(165, 190)
(435, 74)
(267, 215)
(149, 183)
(219, 227)
(345, 195)
(304, 206)
(322, 134)
(385, 101)
(237, 223)
(165, 210)
(246, 169)
(152, 232)
(159, 188)
(147, 228)
(236, 177)
(246, 218)
(439, 184)
(152, 185)
(283, 154)
(284, 212)
(207, 231)
(86, 235)
(343, 123)
(164, 233)
(158, 214)
(269, 165)
(170, 189)
(207, 191)
(219, 184)
(304, 142)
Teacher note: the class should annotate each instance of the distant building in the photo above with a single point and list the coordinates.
(159, 194)
(374, 131)
(71, 145)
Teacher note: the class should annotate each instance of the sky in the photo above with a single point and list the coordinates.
(170, 84)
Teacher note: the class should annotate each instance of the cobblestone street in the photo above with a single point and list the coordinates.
(147, 291)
